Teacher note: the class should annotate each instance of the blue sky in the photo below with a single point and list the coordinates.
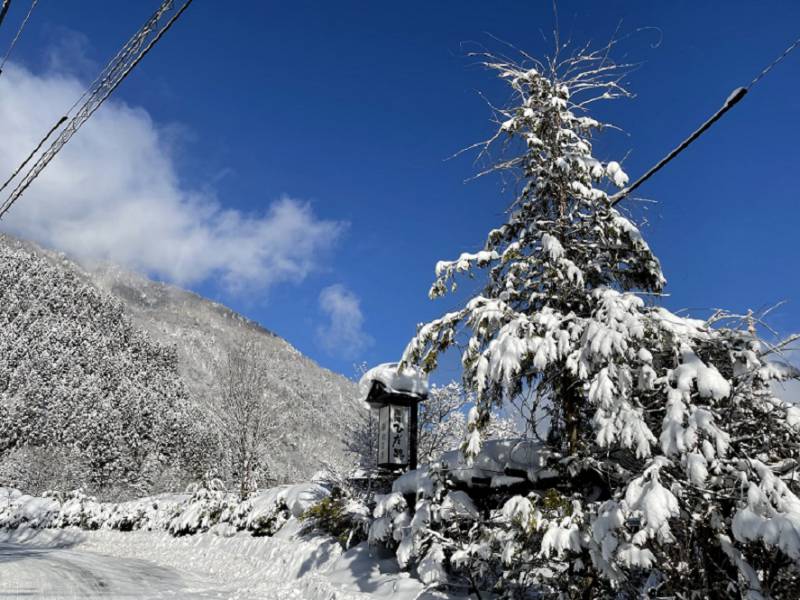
(352, 108)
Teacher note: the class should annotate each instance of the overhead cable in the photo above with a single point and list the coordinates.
(19, 31)
(732, 100)
(104, 85)
(4, 9)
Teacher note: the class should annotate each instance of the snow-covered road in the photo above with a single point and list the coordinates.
(61, 572)
(72, 564)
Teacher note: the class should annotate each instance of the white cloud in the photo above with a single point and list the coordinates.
(113, 194)
(68, 52)
(344, 334)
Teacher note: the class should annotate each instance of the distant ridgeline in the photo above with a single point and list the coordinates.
(85, 398)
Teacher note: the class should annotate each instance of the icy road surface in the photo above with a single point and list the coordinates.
(72, 564)
(42, 572)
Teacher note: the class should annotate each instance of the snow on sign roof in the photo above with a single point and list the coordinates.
(406, 381)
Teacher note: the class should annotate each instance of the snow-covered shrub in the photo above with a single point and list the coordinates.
(678, 417)
(301, 496)
(8, 507)
(487, 541)
(127, 516)
(268, 511)
(208, 505)
(237, 514)
(440, 532)
(17, 509)
(403, 516)
(38, 512)
(340, 515)
(152, 513)
(524, 545)
(80, 510)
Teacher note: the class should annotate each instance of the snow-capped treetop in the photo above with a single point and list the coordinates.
(396, 379)
(562, 235)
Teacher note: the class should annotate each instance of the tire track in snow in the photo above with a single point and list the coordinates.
(59, 573)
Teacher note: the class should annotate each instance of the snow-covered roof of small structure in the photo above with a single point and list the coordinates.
(524, 458)
(404, 381)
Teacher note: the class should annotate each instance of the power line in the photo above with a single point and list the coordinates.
(772, 65)
(103, 86)
(53, 129)
(19, 33)
(4, 9)
(732, 100)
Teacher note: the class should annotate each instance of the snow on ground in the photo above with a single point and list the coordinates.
(55, 567)
(70, 563)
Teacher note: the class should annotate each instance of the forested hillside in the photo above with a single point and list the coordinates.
(85, 397)
(107, 380)
(321, 405)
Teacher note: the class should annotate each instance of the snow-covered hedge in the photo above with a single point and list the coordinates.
(206, 507)
(18, 509)
(458, 539)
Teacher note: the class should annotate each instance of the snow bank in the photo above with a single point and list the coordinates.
(291, 565)
(19, 510)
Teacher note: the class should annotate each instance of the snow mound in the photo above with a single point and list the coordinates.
(300, 497)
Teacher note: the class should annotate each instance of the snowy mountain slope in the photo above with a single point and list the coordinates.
(200, 330)
(85, 397)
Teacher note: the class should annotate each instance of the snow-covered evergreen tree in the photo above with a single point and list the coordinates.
(678, 417)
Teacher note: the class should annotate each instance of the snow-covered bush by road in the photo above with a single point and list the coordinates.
(18, 509)
(346, 519)
(203, 508)
(208, 505)
(80, 510)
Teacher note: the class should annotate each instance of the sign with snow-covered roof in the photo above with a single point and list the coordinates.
(395, 394)
(390, 379)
